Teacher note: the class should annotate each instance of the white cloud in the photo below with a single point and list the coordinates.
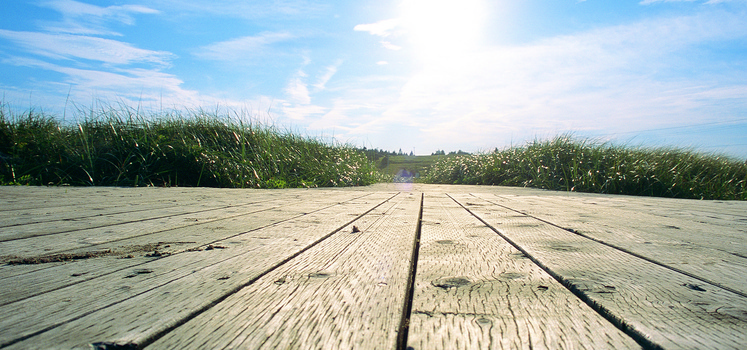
(382, 28)
(241, 48)
(646, 2)
(608, 80)
(298, 104)
(82, 18)
(301, 112)
(334, 119)
(71, 8)
(385, 29)
(329, 71)
(298, 91)
(132, 85)
(249, 9)
(66, 46)
(390, 46)
(709, 2)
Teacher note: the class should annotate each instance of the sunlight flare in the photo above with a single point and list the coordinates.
(439, 28)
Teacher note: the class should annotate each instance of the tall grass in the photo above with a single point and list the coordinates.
(120, 147)
(565, 163)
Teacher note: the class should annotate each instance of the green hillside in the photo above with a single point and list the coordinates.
(392, 165)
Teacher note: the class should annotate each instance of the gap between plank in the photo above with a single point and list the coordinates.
(404, 325)
(193, 314)
(124, 222)
(193, 225)
(636, 335)
(150, 233)
(625, 250)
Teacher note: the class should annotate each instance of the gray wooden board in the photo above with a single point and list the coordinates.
(176, 239)
(166, 242)
(473, 290)
(668, 308)
(64, 241)
(39, 215)
(98, 239)
(29, 197)
(180, 211)
(345, 293)
(173, 241)
(702, 250)
(69, 206)
(134, 304)
(721, 218)
(109, 207)
(268, 264)
(15, 198)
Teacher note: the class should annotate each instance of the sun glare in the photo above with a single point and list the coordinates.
(438, 27)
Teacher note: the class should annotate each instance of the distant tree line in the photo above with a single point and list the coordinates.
(375, 154)
(443, 153)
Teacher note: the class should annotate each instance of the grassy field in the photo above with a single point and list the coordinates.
(568, 164)
(391, 166)
(119, 147)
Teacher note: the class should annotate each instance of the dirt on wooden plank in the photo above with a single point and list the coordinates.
(154, 250)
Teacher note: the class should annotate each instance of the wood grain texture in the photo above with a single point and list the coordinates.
(98, 205)
(168, 288)
(710, 251)
(474, 290)
(118, 231)
(21, 281)
(329, 268)
(667, 308)
(345, 293)
(171, 216)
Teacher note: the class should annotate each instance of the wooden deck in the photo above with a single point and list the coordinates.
(380, 267)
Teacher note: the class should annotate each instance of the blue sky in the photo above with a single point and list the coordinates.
(416, 75)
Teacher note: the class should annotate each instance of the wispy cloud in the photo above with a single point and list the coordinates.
(66, 46)
(242, 48)
(297, 89)
(385, 29)
(646, 2)
(298, 105)
(709, 2)
(249, 9)
(92, 65)
(608, 80)
(82, 18)
(132, 85)
(329, 71)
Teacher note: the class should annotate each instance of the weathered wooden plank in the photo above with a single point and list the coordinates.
(166, 242)
(347, 292)
(665, 307)
(191, 211)
(32, 197)
(712, 213)
(59, 242)
(14, 198)
(704, 251)
(473, 290)
(135, 304)
(116, 211)
(142, 237)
